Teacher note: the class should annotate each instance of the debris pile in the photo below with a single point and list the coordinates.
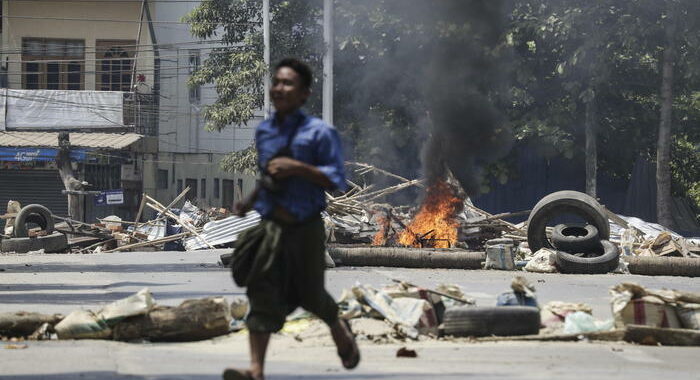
(135, 318)
(400, 312)
(444, 231)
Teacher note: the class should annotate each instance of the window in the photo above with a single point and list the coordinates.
(162, 179)
(203, 193)
(216, 188)
(179, 186)
(114, 65)
(53, 64)
(193, 65)
(192, 194)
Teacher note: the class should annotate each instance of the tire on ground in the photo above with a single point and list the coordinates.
(564, 202)
(33, 213)
(575, 238)
(54, 243)
(605, 263)
(485, 321)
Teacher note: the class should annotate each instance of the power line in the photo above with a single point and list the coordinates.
(90, 49)
(123, 21)
(162, 110)
(223, 49)
(111, 1)
(142, 158)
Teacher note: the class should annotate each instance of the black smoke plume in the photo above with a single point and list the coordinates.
(443, 85)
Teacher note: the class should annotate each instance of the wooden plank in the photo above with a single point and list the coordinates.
(661, 336)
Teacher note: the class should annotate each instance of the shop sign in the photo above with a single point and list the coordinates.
(110, 197)
(37, 154)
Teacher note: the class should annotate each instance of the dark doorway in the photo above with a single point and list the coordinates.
(227, 196)
(192, 194)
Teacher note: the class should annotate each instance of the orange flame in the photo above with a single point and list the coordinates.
(436, 214)
(381, 235)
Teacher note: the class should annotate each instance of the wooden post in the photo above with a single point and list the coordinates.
(65, 170)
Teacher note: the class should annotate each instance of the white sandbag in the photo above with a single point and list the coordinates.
(689, 314)
(137, 304)
(542, 262)
(82, 324)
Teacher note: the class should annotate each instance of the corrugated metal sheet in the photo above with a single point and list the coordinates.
(222, 231)
(33, 186)
(85, 140)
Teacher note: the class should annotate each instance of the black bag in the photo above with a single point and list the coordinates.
(255, 251)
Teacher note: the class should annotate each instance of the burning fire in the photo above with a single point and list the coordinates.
(381, 236)
(436, 221)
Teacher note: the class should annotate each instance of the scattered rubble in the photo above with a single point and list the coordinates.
(401, 312)
(445, 231)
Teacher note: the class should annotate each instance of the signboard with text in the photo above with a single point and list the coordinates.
(37, 154)
(110, 197)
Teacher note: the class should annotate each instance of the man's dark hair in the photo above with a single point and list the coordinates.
(301, 68)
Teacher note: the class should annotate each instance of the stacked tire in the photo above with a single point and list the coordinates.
(581, 248)
(583, 253)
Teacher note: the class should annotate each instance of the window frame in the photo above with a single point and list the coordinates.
(102, 47)
(44, 59)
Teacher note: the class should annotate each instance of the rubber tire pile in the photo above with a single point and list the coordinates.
(21, 242)
(580, 248)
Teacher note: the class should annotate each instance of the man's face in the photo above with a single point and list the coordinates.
(287, 92)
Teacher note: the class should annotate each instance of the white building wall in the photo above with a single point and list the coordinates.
(181, 124)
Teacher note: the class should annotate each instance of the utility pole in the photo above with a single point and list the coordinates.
(266, 57)
(73, 186)
(328, 39)
(136, 50)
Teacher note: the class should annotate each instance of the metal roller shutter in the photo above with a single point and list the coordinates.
(33, 186)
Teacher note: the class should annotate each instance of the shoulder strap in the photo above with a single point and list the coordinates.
(293, 134)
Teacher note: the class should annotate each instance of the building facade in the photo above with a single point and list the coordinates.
(87, 68)
(189, 155)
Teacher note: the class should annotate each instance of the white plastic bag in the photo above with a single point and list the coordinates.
(580, 322)
(542, 262)
(82, 324)
(137, 304)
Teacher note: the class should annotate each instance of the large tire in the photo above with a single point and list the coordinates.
(605, 263)
(575, 238)
(54, 243)
(33, 213)
(485, 321)
(564, 202)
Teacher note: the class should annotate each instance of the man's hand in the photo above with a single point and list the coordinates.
(242, 208)
(284, 167)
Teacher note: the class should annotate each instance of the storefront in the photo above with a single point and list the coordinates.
(29, 175)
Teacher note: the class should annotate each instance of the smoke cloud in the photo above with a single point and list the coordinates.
(423, 99)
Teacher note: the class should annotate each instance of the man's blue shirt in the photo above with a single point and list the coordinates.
(316, 143)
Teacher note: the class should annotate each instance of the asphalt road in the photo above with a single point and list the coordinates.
(62, 283)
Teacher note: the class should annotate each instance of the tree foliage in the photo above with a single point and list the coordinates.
(562, 55)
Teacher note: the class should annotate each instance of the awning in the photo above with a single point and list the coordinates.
(113, 141)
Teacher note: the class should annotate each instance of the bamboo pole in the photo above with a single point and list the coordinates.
(149, 243)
